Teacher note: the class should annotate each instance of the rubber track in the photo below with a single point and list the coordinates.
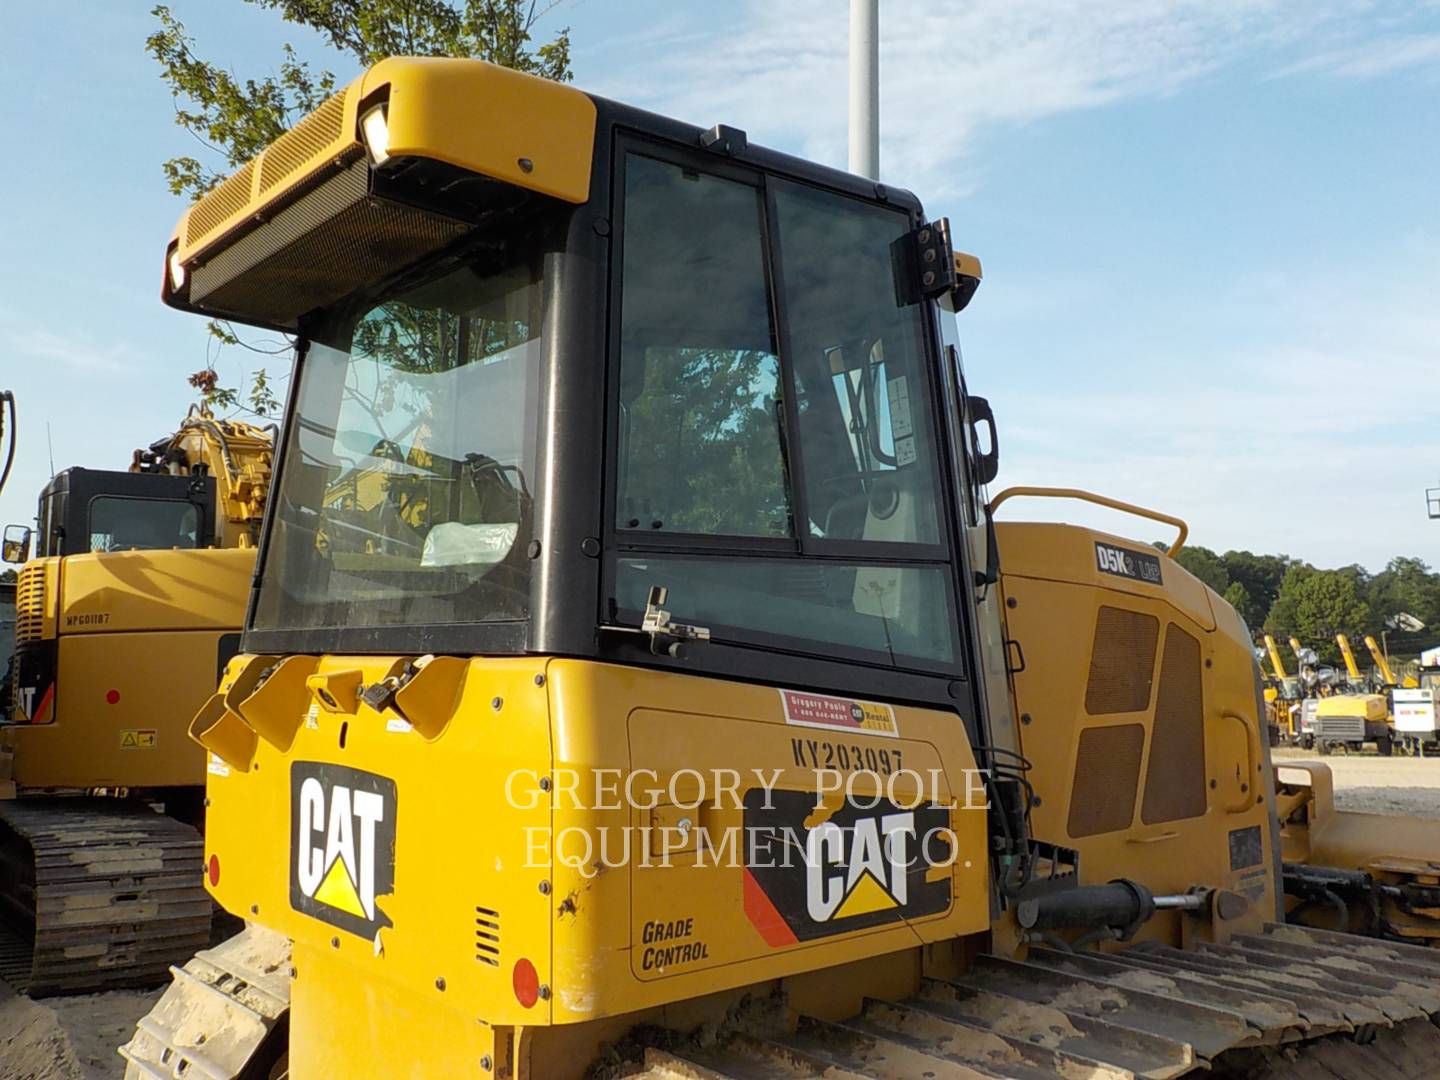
(97, 894)
(1288, 1004)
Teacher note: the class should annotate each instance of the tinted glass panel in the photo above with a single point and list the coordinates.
(898, 614)
(700, 448)
(406, 493)
(120, 524)
(862, 386)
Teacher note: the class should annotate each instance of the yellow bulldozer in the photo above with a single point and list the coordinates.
(637, 680)
(129, 610)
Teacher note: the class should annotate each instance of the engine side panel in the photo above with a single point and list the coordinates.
(1137, 706)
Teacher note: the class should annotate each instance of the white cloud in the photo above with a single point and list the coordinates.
(1372, 59)
(72, 353)
(1312, 435)
(951, 67)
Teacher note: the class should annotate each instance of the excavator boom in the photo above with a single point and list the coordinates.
(1382, 663)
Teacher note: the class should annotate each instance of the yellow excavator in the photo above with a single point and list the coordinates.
(125, 618)
(1283, 695)
(1357, 681)
(638, 681)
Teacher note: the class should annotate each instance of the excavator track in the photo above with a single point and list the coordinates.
(97, 894)
(1287, 1004)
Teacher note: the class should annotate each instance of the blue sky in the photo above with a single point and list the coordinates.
(1210, 230)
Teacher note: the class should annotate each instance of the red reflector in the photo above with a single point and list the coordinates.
(526, 982)
(112, 697)
(213, 870)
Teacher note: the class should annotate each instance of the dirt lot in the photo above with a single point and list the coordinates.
(1375, 785)
(75, 1038)
(68, 1038)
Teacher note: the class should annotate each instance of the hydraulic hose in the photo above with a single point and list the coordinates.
(7, 400)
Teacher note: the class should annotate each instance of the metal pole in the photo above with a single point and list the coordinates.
(865, 88)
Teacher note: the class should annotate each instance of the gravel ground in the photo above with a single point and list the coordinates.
(1375, 785)
(70, 1038)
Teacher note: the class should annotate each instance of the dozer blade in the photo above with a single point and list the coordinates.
(99, 894)
(223, 1014)
(1149, 1012)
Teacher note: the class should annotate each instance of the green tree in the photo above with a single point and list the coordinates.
(1407, 586)
(1238, 597)
(1260, 575)
(1205, 565)
(234, 118)
(8, 574)
(1315, 605)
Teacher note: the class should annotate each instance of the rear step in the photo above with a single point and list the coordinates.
(1289, 1004)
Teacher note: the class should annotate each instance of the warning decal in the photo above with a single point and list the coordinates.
(138, 739)
(838, 714)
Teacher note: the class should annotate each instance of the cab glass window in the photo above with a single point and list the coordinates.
(779, 478)
(406, 495)
(861, 386)
(700, 398)
(125, 524)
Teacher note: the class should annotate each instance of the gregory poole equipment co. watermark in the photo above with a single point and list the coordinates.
(886, 824)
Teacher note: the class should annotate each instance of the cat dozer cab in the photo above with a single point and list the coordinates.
(638, 682)
(126, 616)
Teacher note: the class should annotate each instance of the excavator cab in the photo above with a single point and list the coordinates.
(89, 510)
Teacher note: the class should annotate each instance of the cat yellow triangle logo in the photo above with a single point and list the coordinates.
(338, 890)
(867, 896)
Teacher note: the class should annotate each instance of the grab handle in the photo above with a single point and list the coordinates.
(1098, 500)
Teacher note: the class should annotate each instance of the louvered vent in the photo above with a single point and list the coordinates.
(229, 198)
(319, 248)
(1107, 774)
(1175, 777)
(1122, 662)
(293, 151)
(487, 936)
(30, 604)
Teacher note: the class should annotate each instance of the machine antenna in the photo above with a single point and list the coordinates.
(50, 445)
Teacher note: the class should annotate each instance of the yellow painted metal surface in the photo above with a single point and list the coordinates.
(1394, 849)
(490, 866)
(687, 931)
(239, 456)
(490, 120)
(1345, 651)
(1054, 595)
(137, 638)
(477, 116)
(113, 592)
(1369, 707)
(1066, 553)
(1276, 664)
(121, 710)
